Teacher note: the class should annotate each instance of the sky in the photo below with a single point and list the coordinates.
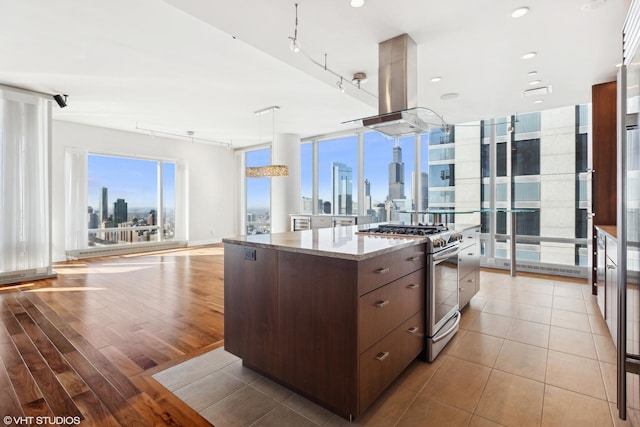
(134, 180)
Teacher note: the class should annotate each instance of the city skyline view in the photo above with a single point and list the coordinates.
(134, 180)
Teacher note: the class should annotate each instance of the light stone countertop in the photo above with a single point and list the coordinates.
(335, 242)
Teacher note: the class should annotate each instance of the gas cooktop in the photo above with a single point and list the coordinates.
(409, 230)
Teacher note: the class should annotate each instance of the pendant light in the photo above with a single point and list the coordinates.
(268, 170)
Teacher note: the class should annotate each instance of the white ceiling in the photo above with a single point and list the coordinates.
(206, 65)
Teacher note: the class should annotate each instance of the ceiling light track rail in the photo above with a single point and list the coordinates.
(187, 135)
(355, 82)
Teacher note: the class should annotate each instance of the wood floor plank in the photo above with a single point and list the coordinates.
(91, 338)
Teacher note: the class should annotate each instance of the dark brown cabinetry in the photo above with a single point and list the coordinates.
(336, 330)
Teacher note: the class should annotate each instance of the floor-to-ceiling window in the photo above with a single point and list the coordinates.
(258, 194)
(337, 176)
(306, 175)
(130, 200)
(389, 172)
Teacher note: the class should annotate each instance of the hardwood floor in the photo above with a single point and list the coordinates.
(84, 345)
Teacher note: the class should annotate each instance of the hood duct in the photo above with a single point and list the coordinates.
(398, 92)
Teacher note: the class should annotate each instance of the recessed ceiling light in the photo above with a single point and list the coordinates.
(521, 11)
(357, 3)
(532, 73)
(529, 55)
(535, 82)
(538, 101)
(449, 96)
(436, 79)
(592, 4)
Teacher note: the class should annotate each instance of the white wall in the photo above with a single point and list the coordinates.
(209, 177)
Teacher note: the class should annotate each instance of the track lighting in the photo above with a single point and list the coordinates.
(62, 102)
(340, 85)
(295, 43)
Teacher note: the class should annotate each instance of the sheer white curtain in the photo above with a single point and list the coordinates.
(25, 213)
(76, 202)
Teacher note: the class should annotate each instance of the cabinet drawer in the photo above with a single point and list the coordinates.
(377, 271)
(385, 360)
(382, 310)
(468, 260)
(468, 287)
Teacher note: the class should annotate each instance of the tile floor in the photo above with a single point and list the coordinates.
(530, 352)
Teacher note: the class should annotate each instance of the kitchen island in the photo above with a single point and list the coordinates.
(334, 315)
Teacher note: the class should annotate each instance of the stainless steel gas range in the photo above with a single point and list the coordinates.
(442, 303)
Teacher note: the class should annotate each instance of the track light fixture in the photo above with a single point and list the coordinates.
(62, 102)
(295, 43)
(340, 85)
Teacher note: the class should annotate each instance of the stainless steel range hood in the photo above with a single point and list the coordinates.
(398, 92)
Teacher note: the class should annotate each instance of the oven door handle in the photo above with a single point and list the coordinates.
(450, 330)
(447, 253)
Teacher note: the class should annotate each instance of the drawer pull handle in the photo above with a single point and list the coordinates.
(460, 289)
(413, 286)
(610, 267)
(470, 281)
(470, 254)
(412, 330)
(413, 258)
(382, 355)
(382, 270)
(382, 303)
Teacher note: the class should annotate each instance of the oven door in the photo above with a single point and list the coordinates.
(443, 316)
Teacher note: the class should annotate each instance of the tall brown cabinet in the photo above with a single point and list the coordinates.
(604, 161)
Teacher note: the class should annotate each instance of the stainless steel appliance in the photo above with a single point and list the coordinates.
(443, 248)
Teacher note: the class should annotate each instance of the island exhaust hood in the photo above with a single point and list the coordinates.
(398, 92)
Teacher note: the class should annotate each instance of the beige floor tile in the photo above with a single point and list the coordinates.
(609, 376)
(575, 373)
(208, 390)
(308, 409)
(522, 359)
(417, 374)
(529, 333)
(572, 341)
(477, 421)
(502, 308)
(532, 298)
(532, 313)
(386, 411)
(478, 348)
(591, 302)
(511, 400)
(468, 317)
(491, 324)
(428, 412)
(566, 408)
(598, 325)
(241, 372)
(570, 320)
(454, 341)
(281, 416)
(458, 383)
(605, 349)
(477, 303)
(272, 389)
(241, 408)
(537, 287)
(569, 290)
(633, 417)
(569, 304)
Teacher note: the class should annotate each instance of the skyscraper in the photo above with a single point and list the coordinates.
(342, 188)
(103, 204)
(396, 174)
(120, 211)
